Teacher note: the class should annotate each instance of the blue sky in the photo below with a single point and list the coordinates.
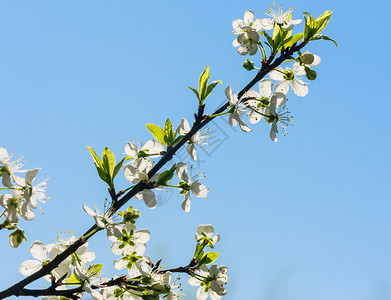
(305, 218)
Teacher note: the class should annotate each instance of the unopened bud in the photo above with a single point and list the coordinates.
(248, 65)
(307, 58)
(310, 74)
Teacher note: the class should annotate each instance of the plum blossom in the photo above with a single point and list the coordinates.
(282, 117)
(131, 241)
(247, 31)
(279, 17)
(8, 167)
(259, 101)
(210, 281)
(149, 149)
(237, 108)
(204, 235)
(104, 221)
(40, 252)
(138, 172)
(88, 276)
(32, 193)
(187, 185)
(288, 77)
(15, 205)
(197, 139)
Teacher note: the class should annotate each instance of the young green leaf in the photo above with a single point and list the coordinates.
(209, 257)
(210, 88)
(108, 161)
(95, 157)
(99, 167)
(310, 27)
(202, 84)
(322, 21)
(293, 39)
(195, 92)
(323, 37)
(157, 132)
(169, 135)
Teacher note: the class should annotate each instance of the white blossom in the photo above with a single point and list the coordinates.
(238, 108)
(8, 167)
(196, 139)
(15, 205)
(212, 283)
(205, 232)
(288, 77)
(281, 117)
(187, 185)
(32, 193)
(104, 221)
(247, 31)
(40, 252)
(279, 17)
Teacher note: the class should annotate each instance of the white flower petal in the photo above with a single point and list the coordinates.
(265, 87)
(149, 198)
(38, 250)
(249, 17)
(186, 203)
(181, 170)
(198, 189)
(30, 175)
(141, 236)
(267, 24)
(282, 86)
(299, 87)
(26, 212)
(29, 267)
(89, 210)
(131, 149)
(192, 151)
(183, 127)
(276, 75)
(298, 69)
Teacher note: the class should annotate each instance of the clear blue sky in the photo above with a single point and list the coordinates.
(305, 218)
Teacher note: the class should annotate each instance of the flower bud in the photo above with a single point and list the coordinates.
(307, 58)
(248, 65)
(310, 74)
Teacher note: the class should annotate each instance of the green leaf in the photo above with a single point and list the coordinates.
(169, 136)
(157, 132)
(293, 39)
(95, 269)
(95, 157)
(209, 257)
(310, 27)
(210, 88)
(199, 253)
(195, 92)
(73, 280)
(323, 37)
(178, 138)
(99, 167)
(322, 21)
(269, 39)
(108, 161)
(202, 84)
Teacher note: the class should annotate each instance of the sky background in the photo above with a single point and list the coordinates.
(305, 218)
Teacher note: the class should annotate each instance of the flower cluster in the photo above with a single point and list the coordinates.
(73, 270)
(23, 195)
